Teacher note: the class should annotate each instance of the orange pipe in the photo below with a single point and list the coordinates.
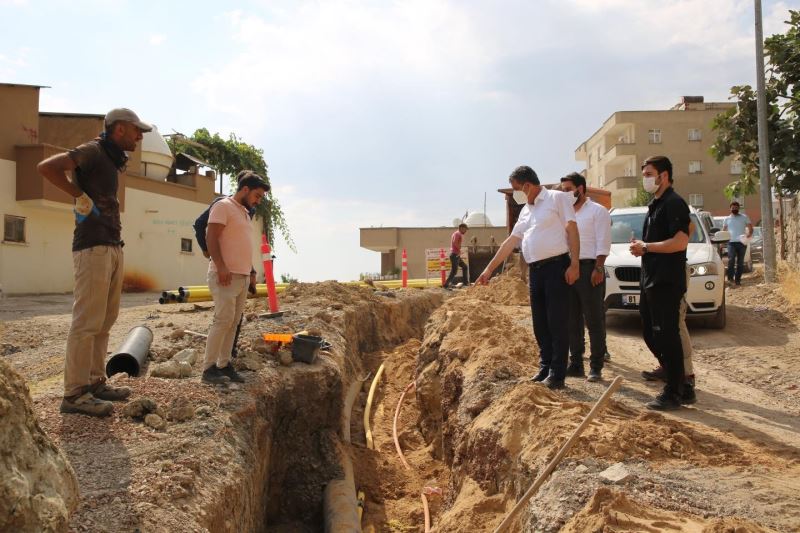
(394, 425)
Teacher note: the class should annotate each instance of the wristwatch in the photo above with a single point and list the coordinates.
(644, 247)
(599, 269)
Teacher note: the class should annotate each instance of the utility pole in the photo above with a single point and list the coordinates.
(767, 225)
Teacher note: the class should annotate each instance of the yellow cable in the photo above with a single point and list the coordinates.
(367, 430)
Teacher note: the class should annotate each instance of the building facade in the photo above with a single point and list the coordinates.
(614, 154)
(157, 211)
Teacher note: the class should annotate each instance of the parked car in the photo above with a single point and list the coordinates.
(757, 244)
(706, 291)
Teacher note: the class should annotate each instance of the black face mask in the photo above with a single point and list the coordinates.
(734, 211)
(113, 151)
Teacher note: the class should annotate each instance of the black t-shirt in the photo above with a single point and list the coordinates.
(97, 176)
(666, 216)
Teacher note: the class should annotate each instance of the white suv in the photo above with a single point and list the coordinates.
(706, 292)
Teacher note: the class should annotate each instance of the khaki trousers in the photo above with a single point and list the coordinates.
(228, 307)
(98, 287)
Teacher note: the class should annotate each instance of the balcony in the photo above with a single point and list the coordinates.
(32, 188)
(622, 182)
(620, 149)
(35, 191)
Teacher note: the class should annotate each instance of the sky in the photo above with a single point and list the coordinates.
(383, 113)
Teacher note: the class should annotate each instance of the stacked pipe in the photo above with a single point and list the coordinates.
(201, 293)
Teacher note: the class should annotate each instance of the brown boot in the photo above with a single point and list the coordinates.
(86, 404)
(111, 394)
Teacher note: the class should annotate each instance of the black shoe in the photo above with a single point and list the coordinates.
(665, 402)
(552, 383)
(657, 374)
(232, 374)
(594, 376)
(213, 376)
(607, 357)
(542, 375)
(688, 395)
(575, 371)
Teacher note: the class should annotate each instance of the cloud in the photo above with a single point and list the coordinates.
(157, 39)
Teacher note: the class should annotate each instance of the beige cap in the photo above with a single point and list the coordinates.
(126, 115)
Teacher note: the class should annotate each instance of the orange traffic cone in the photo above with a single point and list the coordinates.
(441, 266)
(269, 277)
(404, 275)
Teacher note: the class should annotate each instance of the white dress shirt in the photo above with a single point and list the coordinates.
(594, 227)
(542, 226)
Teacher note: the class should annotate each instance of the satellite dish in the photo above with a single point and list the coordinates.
(456, 222)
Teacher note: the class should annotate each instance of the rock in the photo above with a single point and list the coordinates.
(580, 469)
(188, 355)
(38, 488)
(203, 411)
(180, 410)
(139, 407)
(325, 317)
(177, 334)
(155, 421)
(616, 473)
(285, 357)
(172, 369)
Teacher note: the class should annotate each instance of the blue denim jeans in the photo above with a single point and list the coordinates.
(736, 252)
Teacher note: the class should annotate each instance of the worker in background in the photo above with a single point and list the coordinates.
(200, 226)
(741, 230)
(455, 256)
(548, 235)
(587, 294)
(97, 257)
(229, 273)
(665, 236)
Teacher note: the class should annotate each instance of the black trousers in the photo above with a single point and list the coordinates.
(736, 251)
(455, 262)
(659, 308)
(550, 309)
(586, 307)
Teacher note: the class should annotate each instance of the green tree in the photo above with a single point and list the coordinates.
(228, 157)
(641, 197)
(737, 129)
(287, 278)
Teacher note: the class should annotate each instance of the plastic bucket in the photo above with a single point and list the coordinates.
(306, 347)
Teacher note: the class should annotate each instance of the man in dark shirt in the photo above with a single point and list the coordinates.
(663, 281)
(96, 256)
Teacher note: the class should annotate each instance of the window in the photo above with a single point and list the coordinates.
(14, 229)
(654, 136)
(696, 200)
(186, 245)
(695, 167)
(694, 134)
(736, 167)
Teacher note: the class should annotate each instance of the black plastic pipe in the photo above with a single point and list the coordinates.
(132, 354)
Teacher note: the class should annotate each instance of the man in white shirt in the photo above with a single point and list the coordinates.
(548, 236)
(587, 294)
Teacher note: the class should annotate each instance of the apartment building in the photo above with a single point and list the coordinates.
(614, 154)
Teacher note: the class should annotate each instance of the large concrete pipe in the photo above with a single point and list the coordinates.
(132, 354)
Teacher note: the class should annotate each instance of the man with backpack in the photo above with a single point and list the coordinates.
(200, 226)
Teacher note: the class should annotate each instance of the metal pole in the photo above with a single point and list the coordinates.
(767, 225)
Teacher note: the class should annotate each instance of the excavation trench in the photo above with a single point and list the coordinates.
(290, 432)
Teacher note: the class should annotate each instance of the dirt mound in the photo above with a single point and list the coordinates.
(614, 511)
(38, 489)
(506, 289)
(327, 293)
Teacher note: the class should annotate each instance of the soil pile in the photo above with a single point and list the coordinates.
(507, 289)
(614, 511)
(38, 489)
(496, 430)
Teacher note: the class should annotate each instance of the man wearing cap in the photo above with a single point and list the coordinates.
(230, 245)
(547, 233)
(96, 257)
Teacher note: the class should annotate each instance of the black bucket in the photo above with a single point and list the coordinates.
(305, 348)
